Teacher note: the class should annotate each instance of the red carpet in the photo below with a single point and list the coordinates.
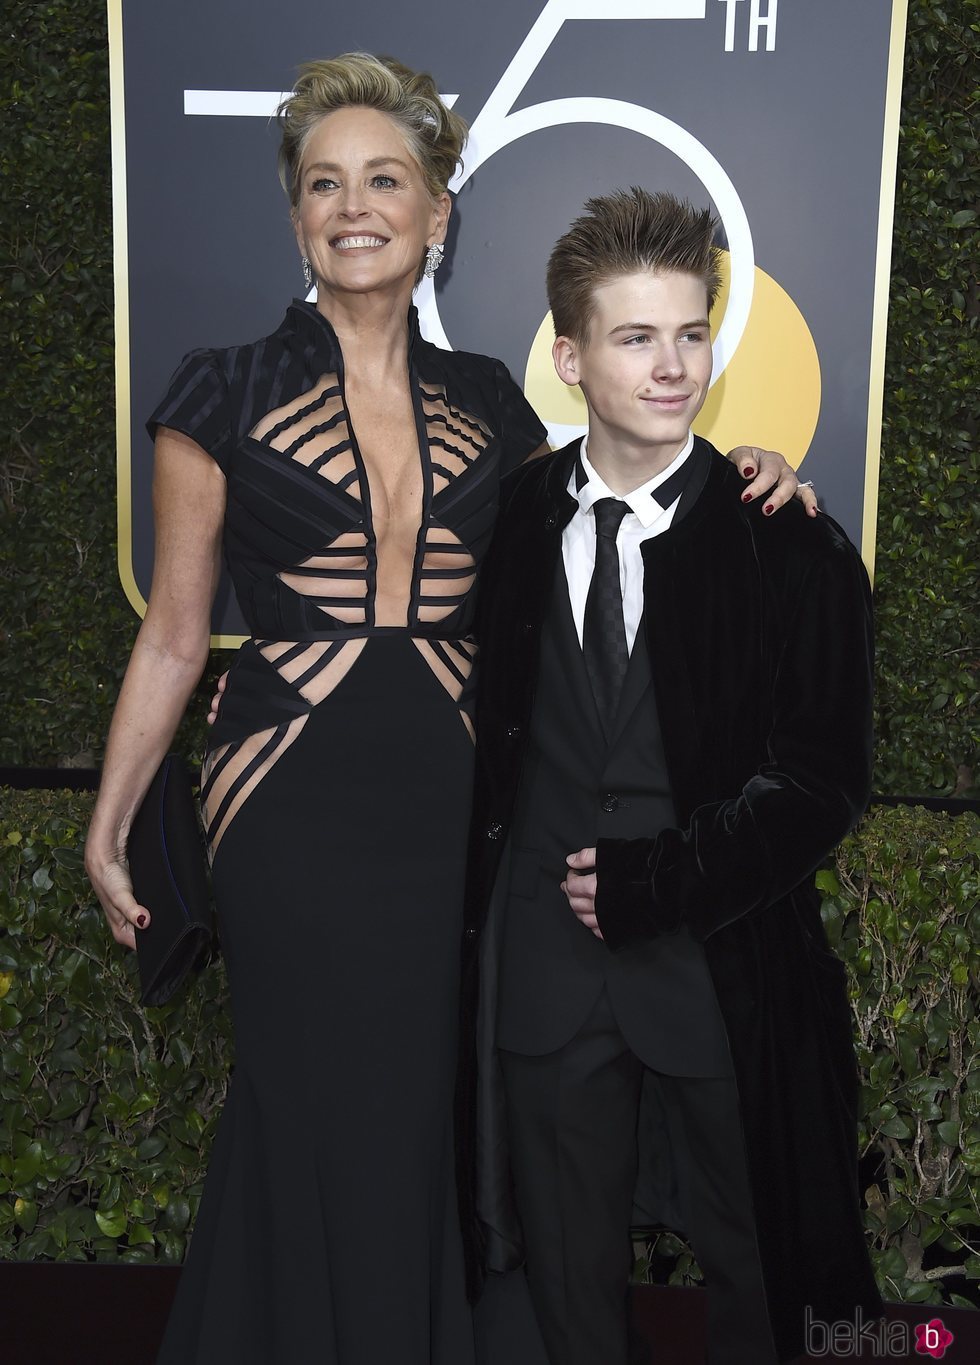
(114, 1315)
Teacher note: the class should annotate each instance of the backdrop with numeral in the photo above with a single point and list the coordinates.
(780, 114)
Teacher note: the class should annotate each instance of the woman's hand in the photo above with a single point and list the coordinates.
(767, 468)
(216, 699)
(108, 871)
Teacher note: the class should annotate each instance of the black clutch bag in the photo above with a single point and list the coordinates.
(167, 865)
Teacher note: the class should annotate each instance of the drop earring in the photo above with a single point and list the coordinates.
(433, 259)
(307, 274)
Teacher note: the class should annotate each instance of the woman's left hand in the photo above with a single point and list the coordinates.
(766, 468)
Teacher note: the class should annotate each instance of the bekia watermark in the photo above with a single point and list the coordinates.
(897, 1339)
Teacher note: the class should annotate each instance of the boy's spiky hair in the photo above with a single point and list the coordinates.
(621, 234)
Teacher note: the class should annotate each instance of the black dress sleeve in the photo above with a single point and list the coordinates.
(520, 427)
(196, 404)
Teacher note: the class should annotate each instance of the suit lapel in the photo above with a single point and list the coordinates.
(635, 686)
(562, 625)
(638, 677)
(700, 463)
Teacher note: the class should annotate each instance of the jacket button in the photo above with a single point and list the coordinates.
(551, 521)
(528, 627)
(469, 933)
(494, 829)
(512, 731)
(610, 803)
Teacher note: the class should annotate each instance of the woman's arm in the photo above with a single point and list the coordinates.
(168, 658)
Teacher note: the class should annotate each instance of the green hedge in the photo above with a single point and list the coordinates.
(902, 908)
(929, 516)
(107, 1110)
(65, 628)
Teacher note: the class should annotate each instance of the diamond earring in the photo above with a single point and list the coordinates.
(433, 258)
(307, 274)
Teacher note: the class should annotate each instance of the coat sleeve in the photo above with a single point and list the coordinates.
(745, 853)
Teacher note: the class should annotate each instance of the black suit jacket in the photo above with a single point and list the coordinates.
(581, 784)
(759, 634)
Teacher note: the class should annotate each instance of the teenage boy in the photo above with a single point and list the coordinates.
(674, 731)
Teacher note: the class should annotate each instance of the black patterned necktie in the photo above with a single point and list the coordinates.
(604, 633)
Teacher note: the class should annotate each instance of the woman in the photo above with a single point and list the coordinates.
(350, 470)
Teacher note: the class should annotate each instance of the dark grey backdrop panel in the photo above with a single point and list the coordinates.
(212, 259)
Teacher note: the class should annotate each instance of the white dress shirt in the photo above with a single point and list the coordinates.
(645, 519)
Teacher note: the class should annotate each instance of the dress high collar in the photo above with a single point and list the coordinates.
(315, 329)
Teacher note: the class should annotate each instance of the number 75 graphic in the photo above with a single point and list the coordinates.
(498, 124)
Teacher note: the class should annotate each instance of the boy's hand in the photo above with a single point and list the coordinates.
(580, 888)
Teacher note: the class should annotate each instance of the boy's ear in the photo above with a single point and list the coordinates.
(565, 355)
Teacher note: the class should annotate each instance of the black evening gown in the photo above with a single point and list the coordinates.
(336, 796)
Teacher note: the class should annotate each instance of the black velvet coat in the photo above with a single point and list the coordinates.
(759, 635)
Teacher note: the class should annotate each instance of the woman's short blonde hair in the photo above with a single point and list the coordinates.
(435, 135)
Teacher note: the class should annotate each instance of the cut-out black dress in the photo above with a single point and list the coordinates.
(336, 796)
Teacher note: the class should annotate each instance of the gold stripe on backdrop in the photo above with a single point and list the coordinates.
(883, 258)
(120, 268)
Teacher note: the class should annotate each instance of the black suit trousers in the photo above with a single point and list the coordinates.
(572, 1119)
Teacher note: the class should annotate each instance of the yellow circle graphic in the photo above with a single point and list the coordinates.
(769, 394)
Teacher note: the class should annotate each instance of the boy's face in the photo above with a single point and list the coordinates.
(645, 368)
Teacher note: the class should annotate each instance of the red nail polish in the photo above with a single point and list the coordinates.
(747, 472)
(768, 509)
(141, 920)
(746, 497)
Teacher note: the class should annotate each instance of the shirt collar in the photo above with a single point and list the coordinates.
(587, 487)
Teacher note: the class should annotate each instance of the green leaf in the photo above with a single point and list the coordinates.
(177, 1214)
(27, 1166)
(897, 1215)
(949, 1132)
(826, 882)
(42, 880)
(919, 1292)
(25, 1214)
(891, 1263)
(150, 1147)
(112, 1224)
(69, 858)
(931, 1233)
